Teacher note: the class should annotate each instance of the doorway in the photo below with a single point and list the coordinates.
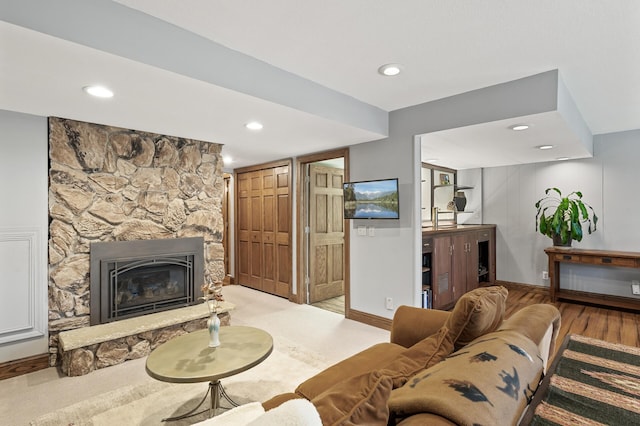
(323, 237)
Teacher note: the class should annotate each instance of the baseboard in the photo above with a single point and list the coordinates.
(374, 320)
(524, 287)
(22, 366)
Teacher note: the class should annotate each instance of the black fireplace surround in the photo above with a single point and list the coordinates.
(133, 278)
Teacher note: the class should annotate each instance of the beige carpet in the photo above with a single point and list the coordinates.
(149, 403)
(306, 339)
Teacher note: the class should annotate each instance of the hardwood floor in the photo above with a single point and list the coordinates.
(611, 325)
(335, 304)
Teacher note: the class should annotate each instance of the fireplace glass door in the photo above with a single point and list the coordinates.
(149, 285)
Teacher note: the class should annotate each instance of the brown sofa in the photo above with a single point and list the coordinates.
(466, 366)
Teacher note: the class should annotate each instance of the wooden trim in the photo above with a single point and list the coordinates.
(22, 366)
(226, 229)
(300, 163)
(373, 320)
(598, 299)
(270, 165)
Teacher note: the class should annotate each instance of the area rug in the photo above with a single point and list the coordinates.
(148, 403)
(594, 382)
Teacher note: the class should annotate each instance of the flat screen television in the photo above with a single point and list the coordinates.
(372, 199)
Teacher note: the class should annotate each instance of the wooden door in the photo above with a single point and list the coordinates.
(283, 252)
(243, 231)
(326, 233)
(263, 228)
(226, 230)
(442, 285)
(268, 243)
(255, 230)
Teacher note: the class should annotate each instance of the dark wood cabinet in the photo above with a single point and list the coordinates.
(459, 258)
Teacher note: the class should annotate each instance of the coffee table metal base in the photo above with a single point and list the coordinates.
(215, 392)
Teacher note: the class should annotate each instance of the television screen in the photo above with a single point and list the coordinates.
(374, 199)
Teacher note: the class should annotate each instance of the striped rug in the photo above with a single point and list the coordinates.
(594, 383)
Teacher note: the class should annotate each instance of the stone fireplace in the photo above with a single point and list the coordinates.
(111, 185)
(133, 278)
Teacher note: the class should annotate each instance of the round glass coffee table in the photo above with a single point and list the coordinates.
(188, 359)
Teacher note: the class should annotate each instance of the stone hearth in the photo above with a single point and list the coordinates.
(112, 184)
(86, 349)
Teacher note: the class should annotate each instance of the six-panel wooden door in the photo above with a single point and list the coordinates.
(263, 228)
(326, 233)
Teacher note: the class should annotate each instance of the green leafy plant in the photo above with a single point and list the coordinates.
(563, 217)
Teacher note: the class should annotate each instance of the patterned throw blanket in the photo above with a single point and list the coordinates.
(594, 383)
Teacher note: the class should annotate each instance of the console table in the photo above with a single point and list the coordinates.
(558, 255)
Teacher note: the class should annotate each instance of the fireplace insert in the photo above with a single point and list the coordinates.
(132, 278)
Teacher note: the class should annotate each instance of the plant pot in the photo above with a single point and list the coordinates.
(557, 241)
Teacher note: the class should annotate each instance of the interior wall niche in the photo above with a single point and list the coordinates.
(113, 184)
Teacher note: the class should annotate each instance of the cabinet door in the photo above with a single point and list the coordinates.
(459, 264)
(472, 262)
(442, 284)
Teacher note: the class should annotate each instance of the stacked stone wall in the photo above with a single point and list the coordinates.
(112, 184)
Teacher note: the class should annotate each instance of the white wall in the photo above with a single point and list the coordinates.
(384, 265)
(387, 265)
(23, 235)
(607, 182)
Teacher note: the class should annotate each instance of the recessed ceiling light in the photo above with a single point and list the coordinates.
(562, 158)
(253, 125)
(519, 127)
(390, 70)
(543, 147)
(227, 159)
(98, 91)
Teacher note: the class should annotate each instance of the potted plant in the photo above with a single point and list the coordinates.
(561, 218)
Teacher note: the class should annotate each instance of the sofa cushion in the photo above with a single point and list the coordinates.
(487, 382)
(477, 312)
(370, 359)
(359, 400)
(423, 354)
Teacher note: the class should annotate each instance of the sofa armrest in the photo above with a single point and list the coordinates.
(410, 324)
(540, 323)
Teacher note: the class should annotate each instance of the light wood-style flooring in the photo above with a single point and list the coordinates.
(598, 322)
(335, 304)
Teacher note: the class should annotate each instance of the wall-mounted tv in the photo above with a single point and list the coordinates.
(372, 199)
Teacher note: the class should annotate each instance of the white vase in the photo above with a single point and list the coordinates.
(213, 323)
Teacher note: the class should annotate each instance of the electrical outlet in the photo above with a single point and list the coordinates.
(362, 231)
(389, 303)
(635, 287)
(545, 275)
(372, 231)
